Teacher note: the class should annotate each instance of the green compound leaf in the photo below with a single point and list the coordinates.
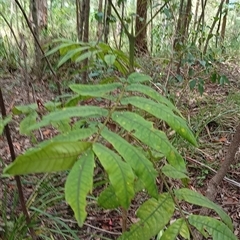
(29, 120)
(99, 90)
(136, 77)
(17, 110)
(108, 198)
(78, 184)
(172, 172)
(142, 167)
(87, 55)
(176, 228)
(120, 174)
(161, 111)
(153, 94)
(210, 226)
(56, 156)
(67, 113)
(198, 199)
(72, 136)
(145, 132)
(4, 122)
(154, 215)
(109, 59)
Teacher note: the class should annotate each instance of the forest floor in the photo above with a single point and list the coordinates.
(212, 116)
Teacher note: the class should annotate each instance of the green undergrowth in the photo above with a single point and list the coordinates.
(122, 128)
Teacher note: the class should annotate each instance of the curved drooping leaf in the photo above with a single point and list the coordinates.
(78, 184)
(87, 55)
(120, 174)
(24, 109)
(67, 113)
(56, 156)
(74, 100)
(110, 59)
(65, 44)
(176, 228)
(154, 215)
(210, 226)
(98, 90)
(29, 120)
(4, 122)
(145, 132)
(153, 94)
(108, 198)
(198, 199)
(142, 167)
(161, 111)
(172, 172)
(71, 53)
(72, 136)
(63, 126)
(136, 77)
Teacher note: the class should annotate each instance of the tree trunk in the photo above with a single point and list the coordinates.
(120, 29)
(182, 30)
(201, 21)
(141, 47)
(42, 14)
(182, 24)
(212, 27)
(38, 54)
(223, 27)
(100, 21)
(78, 14)
(81, 17)
(176, 43)
(196, 15)
(86, 11)
(108, 10)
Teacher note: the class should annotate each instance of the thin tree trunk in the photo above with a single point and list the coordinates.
(141, 29)
(107, 20)
(100, 21)
(212, 27)
(176, 43)
(199, 23)
(86, 38)
(121, 27)
(195, 15)
(82, 18)
(223, 27)
(38, 54)
(78, 12)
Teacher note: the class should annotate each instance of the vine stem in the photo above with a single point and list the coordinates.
(17, 178)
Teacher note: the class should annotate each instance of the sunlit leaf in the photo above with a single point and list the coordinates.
(145, 132)
(154, 215)
(78, 184)
(56, 156)
(120, 174)
(198, 199)
(210, 226)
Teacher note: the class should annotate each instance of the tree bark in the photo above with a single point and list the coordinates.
(100, 21)
(141, 47)
(108, 10)
(224, 24)
(86, 38)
